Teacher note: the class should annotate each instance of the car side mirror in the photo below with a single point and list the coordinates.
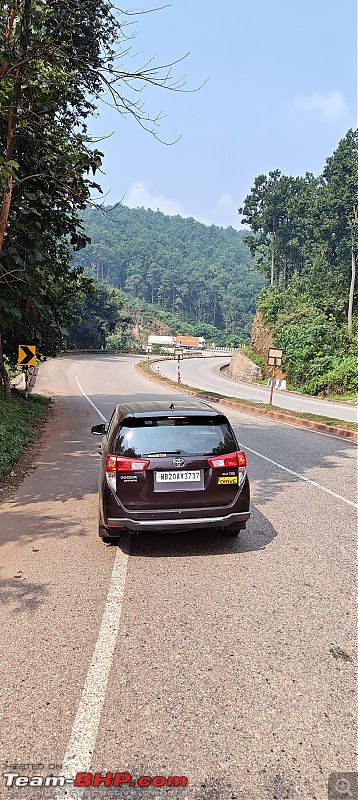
(99, 430)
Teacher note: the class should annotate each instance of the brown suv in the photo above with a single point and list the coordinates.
(171, 466)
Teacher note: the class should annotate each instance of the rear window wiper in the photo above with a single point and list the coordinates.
(167, 453)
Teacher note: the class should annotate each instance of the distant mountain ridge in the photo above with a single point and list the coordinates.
(199, 273)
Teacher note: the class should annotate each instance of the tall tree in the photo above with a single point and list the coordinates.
(340, 210)
(54, 55)
(264, 211)
(307, 228)
(354, 240)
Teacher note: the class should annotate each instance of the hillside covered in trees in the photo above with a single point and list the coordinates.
(192, 274)
(305, 238)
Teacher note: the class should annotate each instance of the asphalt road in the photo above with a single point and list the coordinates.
(204, 373)
(229, 662)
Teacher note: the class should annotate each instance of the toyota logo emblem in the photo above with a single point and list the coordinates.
(178, 462)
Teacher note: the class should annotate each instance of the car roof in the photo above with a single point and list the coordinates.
(163, 408)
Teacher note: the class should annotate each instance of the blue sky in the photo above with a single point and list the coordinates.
(280, 92)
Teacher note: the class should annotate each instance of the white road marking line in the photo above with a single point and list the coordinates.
(89, 400)
(78, 756)
(302, 477)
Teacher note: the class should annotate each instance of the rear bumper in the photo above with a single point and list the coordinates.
(178, 524)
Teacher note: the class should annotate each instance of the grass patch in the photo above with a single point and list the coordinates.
(19, 421)
(253, 357)
(336, 423)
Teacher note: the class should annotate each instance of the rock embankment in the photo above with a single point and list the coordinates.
(242, 369)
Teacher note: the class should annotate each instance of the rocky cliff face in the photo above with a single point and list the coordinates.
(141, 331)
(261, 341)
(261, 337)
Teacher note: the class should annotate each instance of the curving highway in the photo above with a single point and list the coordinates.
(204, 373)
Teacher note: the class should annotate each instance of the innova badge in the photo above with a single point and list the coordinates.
(178, 462)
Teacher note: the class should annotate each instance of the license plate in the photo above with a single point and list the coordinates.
(182, 476)
(184, 480)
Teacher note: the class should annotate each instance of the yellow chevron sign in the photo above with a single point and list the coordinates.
(27, 355)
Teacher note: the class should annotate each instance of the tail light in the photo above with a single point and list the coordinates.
(123, 464)
(229, 460)
(116, 464)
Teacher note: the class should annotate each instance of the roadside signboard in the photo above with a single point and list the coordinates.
(274, 358)
(27, 355)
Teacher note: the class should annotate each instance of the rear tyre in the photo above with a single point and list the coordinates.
(233, 530)
(102, 532)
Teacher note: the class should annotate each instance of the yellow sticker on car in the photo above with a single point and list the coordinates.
(228, 480)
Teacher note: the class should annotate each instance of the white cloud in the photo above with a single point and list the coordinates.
(139, 195)
(331, 106)
(225, 211)
(225, 203)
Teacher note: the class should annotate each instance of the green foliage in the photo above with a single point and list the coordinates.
(98, 313)
(147, 314)
(253, 357)
(340, 377)
(123, 339)
(311, 298)
(200, 277)
(48, 58)
(18, 423)
(310, 342)
(319, 355)
(305, 228)
(276, 210)
(270, 302)
(57, 59)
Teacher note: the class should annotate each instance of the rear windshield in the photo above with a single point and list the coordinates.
(174, 435)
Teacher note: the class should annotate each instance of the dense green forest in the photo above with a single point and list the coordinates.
(191, 274)
(305, 238)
